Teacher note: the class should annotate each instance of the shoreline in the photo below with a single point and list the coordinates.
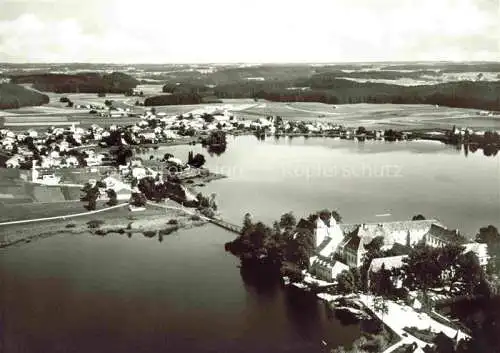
(398, 318)
(150, 222)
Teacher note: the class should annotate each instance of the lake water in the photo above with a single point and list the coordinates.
(185, 294)
(360, 179)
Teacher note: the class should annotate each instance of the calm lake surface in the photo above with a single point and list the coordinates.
(185, 294)
(359, 179)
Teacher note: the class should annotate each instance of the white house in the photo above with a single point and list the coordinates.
(387, 263)
(14, 162)
(139, 172)
(123, 191)
(326, 269)
(347, 242)
(480, 250)
(71, 161)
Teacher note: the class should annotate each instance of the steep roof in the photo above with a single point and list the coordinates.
(387, 262)
(305, 224)
(446, 235)
(338, 267)
(390, 227)
(400, 249)
(354, 243)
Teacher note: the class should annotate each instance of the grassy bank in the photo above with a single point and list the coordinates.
(151, 222)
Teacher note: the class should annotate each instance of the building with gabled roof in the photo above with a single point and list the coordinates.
(326, 268)
(438, 236)
(348, 242)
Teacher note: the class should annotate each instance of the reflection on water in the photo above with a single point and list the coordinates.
(118, 294)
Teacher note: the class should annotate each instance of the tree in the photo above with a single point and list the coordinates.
(361, 130)
(421, 269)
(138, 199)
(113, 198)
(216, 138)
(375, 244)
(443, 344)
(488, 235)
(299, 248)
(418, 217)
(247, 222)
(122, 155)
(349, 281)
(470, 273)
(90, 194)
(197, 161)
(167, 156)
(380, 305)
(381, 282)
(336, 216)
(276, 227)
(288, 220)
(447, 258)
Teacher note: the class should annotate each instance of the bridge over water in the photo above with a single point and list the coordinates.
(216, 221)
(226, 225)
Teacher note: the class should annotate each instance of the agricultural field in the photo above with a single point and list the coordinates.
(378, 115)
(41, 210)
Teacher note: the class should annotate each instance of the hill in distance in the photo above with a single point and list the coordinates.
(13, 96)
(85, 82)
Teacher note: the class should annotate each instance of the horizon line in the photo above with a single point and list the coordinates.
(257, 63)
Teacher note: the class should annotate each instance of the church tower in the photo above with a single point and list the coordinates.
(320, 232)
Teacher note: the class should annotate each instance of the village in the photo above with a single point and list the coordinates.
(55, 147)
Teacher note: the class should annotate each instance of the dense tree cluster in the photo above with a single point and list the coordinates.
(329, 85)
(491, 236)
(215, 143)
(138, 199)
(88, 82)
(283, 246)
(90, 194)
(196, 161)
(14, 96)
(428, 267)
(113, 200)
(173, 99)
(158, 190)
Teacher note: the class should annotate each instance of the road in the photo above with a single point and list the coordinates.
(35, 220)
(400, 316)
